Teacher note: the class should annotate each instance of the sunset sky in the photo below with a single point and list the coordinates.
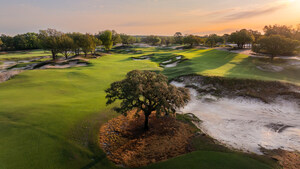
(144, 17)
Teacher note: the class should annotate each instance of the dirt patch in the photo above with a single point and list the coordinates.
(287, 159)
(126, 143)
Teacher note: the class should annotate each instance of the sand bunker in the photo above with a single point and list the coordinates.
(247, 124)
(172, 64)
(4, 76)
(270, 68)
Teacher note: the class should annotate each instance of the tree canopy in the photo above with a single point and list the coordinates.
(116, 37)
(50, 39)
(178, 38)
(213, 39)
(166, 40)
(148, 92)
(106, 38)
(89, 43)
(277, 45)
(127, 39)
(241, 38)
(152, 39)
(281, 30)
(66, 44)
(192, 40)
(1, 43)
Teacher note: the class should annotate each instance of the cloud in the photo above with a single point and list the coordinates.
(255, 12)
(236, 13)
(149, 23)
(203, 13)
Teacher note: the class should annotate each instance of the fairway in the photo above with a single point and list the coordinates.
(50, 118)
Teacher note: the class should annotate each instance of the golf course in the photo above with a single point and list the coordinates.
(49, 118)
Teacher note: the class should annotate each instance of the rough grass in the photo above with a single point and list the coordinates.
(210, 159)
(50, 118)
(24, 54)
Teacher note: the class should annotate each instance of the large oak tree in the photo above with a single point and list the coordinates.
(148, 92)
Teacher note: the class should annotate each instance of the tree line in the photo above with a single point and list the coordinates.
(276, 40)
(65, 43)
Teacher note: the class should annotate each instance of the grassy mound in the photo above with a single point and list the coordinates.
(127, 144)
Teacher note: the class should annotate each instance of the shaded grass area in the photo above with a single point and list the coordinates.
(210, 62)
(208, 159)
(50, 118)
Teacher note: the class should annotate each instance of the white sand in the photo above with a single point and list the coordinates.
(245, 123)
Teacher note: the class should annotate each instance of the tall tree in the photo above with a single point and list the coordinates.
(76, 36)
(7, 42)
(167, 40)
(50, 41)
(153, 40)
(241, 38)
(106, 39)
(116, 37)
(213, 39)
(127, 39)
(277, 45)
(178, 38)
(1, 43)
(256, 34)
(148, 92)
(282, 30)
(192, 40)
(66, 45)
(225, 38)
(20, 42)
(89, 43)
(297, 33)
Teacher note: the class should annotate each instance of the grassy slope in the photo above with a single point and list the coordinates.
(39, 108)
(47, 116)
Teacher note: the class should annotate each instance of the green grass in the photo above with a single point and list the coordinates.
(24, 54)
(41, 108)
(210, 160)
(50, 118)
(210, 62)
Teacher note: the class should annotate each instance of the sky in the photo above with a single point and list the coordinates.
(145, 17)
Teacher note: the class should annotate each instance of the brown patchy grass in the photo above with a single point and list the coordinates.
(287, 159)
(127, 144)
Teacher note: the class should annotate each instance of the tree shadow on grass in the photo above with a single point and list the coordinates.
(263, 69)
(207, 60)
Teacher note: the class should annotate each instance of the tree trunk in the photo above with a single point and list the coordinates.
(146, 126)
(272, 57)
(66, 55)
(53, 55)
